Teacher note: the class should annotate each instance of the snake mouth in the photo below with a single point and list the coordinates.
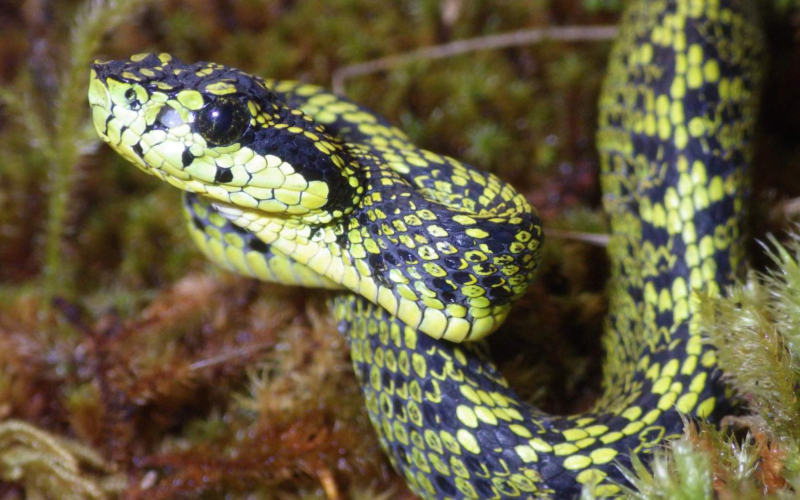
(99, 100)
(109, 124)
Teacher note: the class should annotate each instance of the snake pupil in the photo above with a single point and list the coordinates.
(223, 121)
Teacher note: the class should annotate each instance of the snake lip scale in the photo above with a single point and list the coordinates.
(286, 182)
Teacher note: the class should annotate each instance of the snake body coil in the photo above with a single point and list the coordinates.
(289, 183)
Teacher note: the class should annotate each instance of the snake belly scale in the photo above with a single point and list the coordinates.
(287, 182)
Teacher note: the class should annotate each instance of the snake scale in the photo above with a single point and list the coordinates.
(287, 182)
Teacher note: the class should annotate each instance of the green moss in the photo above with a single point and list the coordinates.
(149, 354)
(756, 337)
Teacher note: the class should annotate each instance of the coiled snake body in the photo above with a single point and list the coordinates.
(289, 183)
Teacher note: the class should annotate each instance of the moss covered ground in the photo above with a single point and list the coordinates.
(132, 368)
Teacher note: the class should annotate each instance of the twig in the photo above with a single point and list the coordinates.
(591, 238)
(328, 484)
(227, 356)
(490, 42)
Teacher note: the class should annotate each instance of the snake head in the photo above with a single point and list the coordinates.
(216, 131)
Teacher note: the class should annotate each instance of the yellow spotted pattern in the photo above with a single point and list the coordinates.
(444, 247)
(431, 251)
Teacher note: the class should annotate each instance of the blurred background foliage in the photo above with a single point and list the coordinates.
(142, 371)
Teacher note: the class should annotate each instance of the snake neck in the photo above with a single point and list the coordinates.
(449, 273)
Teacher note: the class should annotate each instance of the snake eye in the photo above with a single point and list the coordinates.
(223, 121)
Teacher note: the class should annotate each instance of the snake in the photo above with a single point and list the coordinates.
(424, 255)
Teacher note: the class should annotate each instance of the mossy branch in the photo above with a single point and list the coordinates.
(754, 357)
(784, 283)
(96, 18)
(20, 105)
(683, 472)
(756, 330)
(49, 466)
(704, 463)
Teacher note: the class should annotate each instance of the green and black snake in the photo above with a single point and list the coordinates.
(287, 182)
